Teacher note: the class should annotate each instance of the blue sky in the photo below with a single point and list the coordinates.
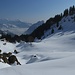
(32, 10)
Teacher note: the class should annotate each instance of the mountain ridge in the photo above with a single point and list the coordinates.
(33, 27)
(16, 22)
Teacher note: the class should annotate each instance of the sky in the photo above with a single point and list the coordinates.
(33, 10)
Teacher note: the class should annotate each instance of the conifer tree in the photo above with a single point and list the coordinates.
(57, 24)
(66, 12)
(60, 27)
(52, 31)
(74, 18)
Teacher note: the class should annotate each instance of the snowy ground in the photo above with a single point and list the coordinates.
(55, 55)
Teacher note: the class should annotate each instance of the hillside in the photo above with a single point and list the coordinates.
(52, 50)
(33, 27)
(58, 23)
(53, 55)
(67, 24)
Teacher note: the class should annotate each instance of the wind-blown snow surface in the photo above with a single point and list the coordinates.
(55, 55)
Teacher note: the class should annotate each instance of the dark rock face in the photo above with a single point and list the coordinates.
(9, 58)
(7, 54)
(12, 59)
(5, 59)
(16, 52)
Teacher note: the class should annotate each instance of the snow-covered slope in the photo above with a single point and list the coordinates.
(33, 27)
(54, 55)
(67, 24)
(64, 66)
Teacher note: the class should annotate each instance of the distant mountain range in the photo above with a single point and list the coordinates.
(13, 26)
(14, 23)
(17, 27)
